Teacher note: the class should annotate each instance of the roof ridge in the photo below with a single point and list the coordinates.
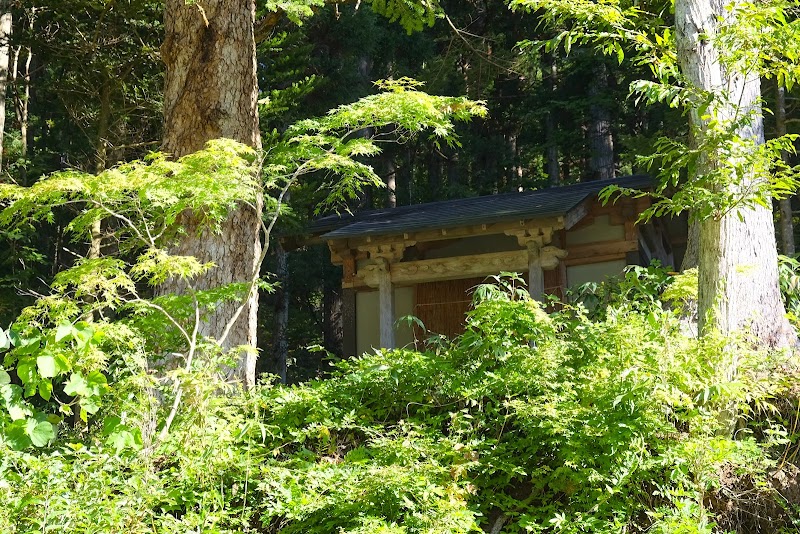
(503, 205)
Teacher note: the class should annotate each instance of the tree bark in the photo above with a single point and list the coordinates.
(332, 310)
(738, 277)
(550, 127)
(5, 55)
(786, 224)
(391, 181)
(692, 255)
(21, 75)
(281, 339)
(210, 92)
(601, 141)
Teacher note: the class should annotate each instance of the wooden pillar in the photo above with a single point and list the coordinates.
(386, 300)
(535, 272)
(349, 322)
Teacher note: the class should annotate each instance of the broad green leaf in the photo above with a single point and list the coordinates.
(96, 383)
(124, 438)
(17, 412)
(76, 386)
(5, 341)
(64, 330)
(4, 377)
(90, 405)
(16, 436)
(28, 346)
(62, 364)
(83, 334)
(45, 389)
(40, 432)
(47, 366)
(13, 337)
(110, 424)
(26, 371)
(16, 406)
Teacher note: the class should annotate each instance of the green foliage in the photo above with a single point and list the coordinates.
(331, 143)
(544, 423)
(720, 168)
(789, 281)
(412, 15)
(638, 288)
(98, 320)
(144, 197)
(68, 359)
(725, 187)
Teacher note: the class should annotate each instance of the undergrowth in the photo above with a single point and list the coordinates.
(528, 422)
(115, 416)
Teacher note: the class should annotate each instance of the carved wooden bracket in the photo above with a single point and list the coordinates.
(372, 273)
(391, 252)
(539, 235)
(550, 256)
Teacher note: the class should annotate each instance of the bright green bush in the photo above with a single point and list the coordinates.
(114, 420)
(539, 423)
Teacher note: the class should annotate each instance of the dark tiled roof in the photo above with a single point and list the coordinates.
(552, 202)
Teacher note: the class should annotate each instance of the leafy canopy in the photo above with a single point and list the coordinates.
(712, 175)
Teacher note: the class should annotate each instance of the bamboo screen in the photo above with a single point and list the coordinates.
(441, 306)
(554, 282)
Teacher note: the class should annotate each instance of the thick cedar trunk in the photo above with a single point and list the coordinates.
(691, 256)
(5, 55)
(210, 92)
(786, 225)
(738, 278)
(601, 142)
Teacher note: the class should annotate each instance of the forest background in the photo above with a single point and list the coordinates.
(85, 93)
(525, 423)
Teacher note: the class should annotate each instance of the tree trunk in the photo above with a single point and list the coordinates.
(601, 142)
(738, 277)
(691, 256)
(210, 92)
(5, 55)
(281, 338)
(21, 75)
(391, 181)
(550, 128)
(332, 310)
(787, 227)
(551, 157)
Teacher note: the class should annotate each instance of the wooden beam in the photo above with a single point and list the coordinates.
(459, 267)
(577, 214)
(570, 262)
(391, 252)
(451, 233)
(600, 248)
(348, 271)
